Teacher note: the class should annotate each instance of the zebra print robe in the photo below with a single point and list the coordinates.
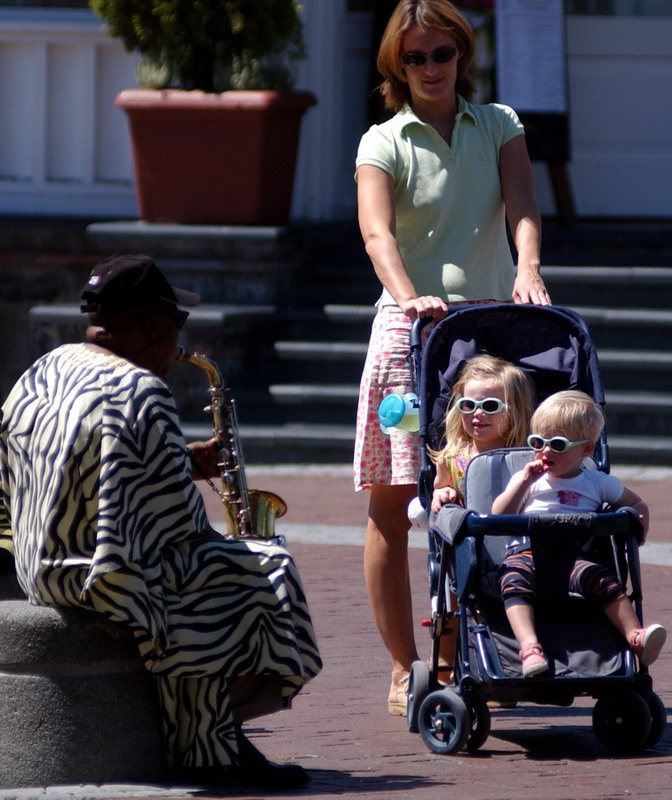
(99, 507)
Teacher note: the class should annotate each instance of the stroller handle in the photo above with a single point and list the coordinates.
(609, 523)
(416, 330)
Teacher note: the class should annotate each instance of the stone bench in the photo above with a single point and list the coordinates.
(76, 704)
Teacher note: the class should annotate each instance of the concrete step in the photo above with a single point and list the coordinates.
(616, 287)
(628, 328)
(329, 362)
(654, 450)
(649, 371)
(289, 443)
(322, 351)
(205, 315)
(638, 413)
(293, 394)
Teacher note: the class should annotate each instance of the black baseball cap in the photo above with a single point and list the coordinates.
(128, 283)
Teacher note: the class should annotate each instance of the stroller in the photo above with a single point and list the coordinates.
(466, 545)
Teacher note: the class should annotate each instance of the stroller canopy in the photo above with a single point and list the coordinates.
(550, 343)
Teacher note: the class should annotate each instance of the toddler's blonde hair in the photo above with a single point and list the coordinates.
(570, 413)
(518, 395)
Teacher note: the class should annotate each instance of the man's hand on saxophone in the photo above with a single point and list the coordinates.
(205, 458)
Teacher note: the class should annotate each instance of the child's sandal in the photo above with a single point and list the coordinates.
(533, 660)
(647, 643)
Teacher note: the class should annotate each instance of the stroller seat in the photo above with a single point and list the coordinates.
(577, 639)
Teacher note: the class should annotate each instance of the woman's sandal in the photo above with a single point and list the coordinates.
(398, 698)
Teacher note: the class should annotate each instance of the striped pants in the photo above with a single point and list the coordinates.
(230, 611)
(592, 581)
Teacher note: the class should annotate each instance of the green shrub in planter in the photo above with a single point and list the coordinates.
(211, 45)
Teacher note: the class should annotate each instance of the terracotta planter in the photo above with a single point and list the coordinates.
(220, 159)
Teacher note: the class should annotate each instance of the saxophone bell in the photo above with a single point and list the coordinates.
(248, 513)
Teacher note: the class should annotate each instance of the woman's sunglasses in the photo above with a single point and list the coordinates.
(442, 55)
(490, 405)
(558, 444)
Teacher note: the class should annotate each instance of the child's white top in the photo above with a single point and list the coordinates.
(588, 491)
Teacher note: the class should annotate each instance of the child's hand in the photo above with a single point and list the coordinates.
(531, 471)
(442, 496)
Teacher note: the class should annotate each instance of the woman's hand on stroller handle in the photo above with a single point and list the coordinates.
(424, 307)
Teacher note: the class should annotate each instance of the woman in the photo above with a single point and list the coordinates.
(436, 185)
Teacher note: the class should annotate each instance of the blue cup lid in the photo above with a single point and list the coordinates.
(391, 410)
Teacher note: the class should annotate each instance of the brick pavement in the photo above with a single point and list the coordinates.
(339, 727)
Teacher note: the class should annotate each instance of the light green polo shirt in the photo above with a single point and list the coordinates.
(451, 223)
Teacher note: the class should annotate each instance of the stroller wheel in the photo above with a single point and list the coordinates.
(658, 721)
(443, 722)
(480, 724)
(419, 682)
(623, 721)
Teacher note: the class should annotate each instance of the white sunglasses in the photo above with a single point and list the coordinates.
(558, 444)
(490, 405)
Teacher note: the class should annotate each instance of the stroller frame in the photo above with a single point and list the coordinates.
(628, 716)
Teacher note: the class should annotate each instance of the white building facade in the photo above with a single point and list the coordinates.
(64, 147)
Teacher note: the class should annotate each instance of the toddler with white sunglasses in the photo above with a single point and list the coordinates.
(491, 408)
(565, 428)
(492, 402)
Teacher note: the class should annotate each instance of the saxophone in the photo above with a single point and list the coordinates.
(249, 513)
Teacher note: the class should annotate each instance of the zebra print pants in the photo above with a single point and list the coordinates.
(233, 609)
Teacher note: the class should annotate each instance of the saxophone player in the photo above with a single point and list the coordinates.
(91, 431)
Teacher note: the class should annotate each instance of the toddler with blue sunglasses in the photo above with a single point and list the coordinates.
(565, 428)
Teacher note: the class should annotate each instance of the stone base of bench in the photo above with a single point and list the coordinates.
(76, 704)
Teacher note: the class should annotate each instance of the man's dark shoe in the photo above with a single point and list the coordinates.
(253, 769)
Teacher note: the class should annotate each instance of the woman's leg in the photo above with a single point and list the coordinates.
(386, 575)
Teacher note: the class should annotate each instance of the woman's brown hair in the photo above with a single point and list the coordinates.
(440, 15)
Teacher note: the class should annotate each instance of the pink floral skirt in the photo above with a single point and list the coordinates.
(391, 459)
